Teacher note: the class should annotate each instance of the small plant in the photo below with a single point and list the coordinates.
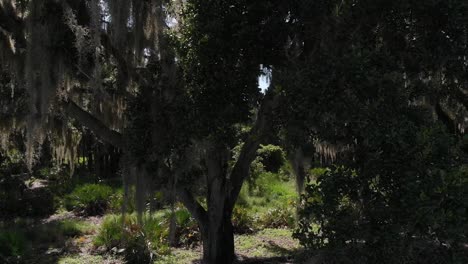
(186, 233)
(283, 217)
(12, 243)
(89, 199)
(138, 243)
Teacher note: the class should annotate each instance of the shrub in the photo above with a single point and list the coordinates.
(12, 243)
(187, 232)
(395, 206)
(272, 157)
(89, 199)
(242, 220)
(138, 243)
(283, 217)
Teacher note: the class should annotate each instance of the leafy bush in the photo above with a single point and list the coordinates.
(272, 157)
(89, 199)
(392, 207)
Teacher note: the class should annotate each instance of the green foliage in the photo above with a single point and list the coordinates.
(187, 233)
(271, 204)
(281, 217)
(406, 193)
(110, 233)
(272, 157)
(72, 228)
(243, 220)
(139, 243)
(12, 243)
(89, 199)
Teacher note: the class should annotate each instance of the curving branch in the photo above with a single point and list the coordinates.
(248, 152)
(95, 125)
(194, 207)
(445, 118)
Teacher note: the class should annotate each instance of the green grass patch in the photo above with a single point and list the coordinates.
(72, 227)
(269, 203)
(178, 256)
(79, 259)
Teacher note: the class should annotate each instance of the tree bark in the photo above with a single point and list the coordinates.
(218, 240)
(92, 123)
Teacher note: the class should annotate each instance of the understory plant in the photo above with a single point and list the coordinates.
(89, 199)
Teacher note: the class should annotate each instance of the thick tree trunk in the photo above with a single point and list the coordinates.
(218, 241)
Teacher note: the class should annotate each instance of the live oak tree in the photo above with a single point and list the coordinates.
(166, 82)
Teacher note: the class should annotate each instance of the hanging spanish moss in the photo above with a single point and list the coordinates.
(111, 111)
(52, 71)
(328, 152)
(82, 39)
(64, 143)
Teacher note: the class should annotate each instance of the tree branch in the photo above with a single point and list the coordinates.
(445, 118)
(95, 125)
(248, 152)
(194, 207)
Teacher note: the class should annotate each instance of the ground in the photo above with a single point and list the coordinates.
(65, 238)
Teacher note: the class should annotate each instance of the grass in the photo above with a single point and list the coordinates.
(270, 191)
(272, 198)
(86, 259)
(267, 243)
(264, 245)
(23, 238)
(72, 227)
(179, 256)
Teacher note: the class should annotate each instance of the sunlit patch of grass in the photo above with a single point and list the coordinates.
(267, 243)
(82, 259)
(71, 227)
(179, 256)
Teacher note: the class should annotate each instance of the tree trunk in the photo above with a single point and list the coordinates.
(218, 240)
